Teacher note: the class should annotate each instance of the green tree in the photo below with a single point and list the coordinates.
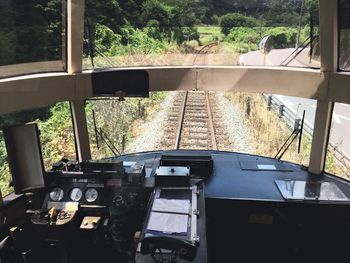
(155, 10)
(231, 20)
(30, 31)
(105, 38)
(153, 29)
(105, 12)
(282, 13)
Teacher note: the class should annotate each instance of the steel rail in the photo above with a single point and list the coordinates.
(179, 128)
(201, 51)
(211, 124)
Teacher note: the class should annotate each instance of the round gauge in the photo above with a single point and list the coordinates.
(91, 195)
(56, 194)
(75, 194)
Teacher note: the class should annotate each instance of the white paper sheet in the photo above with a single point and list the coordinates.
(168, 223)
(171, 205)
(266, 167)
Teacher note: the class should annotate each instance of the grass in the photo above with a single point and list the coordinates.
(268, 133)
(209, 34)
(121, 121)
(335, 166)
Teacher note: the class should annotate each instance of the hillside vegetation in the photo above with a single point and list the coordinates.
(139, 32)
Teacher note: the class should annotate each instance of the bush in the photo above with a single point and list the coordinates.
(152, 29)
(155, 10)
(244, 35)
(231, 20)
(246, 39)
(189, 46)
(105, 38)
(56, 135)
(282, 36)
(138, 42)
(190, 33)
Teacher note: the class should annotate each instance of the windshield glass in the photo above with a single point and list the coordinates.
(242, 122)
(32, 36)
(338, 157)
(344, 35)
(56, 131)
(204, 32)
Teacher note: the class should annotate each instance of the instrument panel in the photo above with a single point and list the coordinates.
(76, 194)
(95, 188)
(85, 191)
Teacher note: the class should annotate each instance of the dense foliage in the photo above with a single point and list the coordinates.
(232, 20)
(30, 31)
(140, 26)
(33, 30)
(122, 28)
(246, 39)
(56, 134)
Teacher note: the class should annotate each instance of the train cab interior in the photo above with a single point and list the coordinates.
(174, 131)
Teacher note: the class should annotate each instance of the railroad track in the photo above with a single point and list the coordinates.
(190, 123)
(202, 52)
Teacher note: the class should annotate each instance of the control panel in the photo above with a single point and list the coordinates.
(104, 204)
(84, 191)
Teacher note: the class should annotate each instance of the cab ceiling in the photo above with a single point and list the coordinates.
(43, 89)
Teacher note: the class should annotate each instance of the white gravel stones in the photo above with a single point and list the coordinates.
(234, 120)
(153, 131)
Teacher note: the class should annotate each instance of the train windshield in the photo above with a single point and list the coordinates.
(344, 35)
(269, 125)
(190, 33)
(32, 36)
(199, 120)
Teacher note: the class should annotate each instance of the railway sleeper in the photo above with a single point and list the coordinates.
(195, 119)
(204, 137)
(199, 116)
(190, 145)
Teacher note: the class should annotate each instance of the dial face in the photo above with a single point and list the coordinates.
(56, 194)
(75, 194)
(91, 195)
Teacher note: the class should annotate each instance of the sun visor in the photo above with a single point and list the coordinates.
(25, 157)
(120, 83)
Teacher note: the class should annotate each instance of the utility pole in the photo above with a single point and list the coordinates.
(300, 21)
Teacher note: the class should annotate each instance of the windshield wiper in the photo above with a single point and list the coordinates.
(104, 137)
(298, 130)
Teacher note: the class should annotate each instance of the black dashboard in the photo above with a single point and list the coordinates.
(242, 202)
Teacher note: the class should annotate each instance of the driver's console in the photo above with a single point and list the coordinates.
(110, 212)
